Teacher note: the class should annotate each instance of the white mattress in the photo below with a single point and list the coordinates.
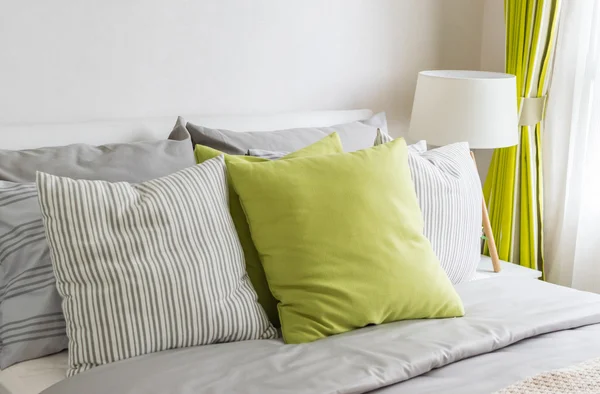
(33, 376)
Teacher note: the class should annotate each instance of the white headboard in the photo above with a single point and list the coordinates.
(26, 136)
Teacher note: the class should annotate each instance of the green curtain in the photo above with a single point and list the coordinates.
(513, 188)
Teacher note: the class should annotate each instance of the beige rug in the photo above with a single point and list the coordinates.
(582, 378)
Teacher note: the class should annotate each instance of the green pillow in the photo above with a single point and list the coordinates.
(341, 241)
(328, 145)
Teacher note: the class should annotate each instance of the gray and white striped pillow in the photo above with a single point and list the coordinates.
(31, 319)
(148, 267)
(449, 192)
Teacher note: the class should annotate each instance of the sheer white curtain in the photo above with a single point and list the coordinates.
(572, 151)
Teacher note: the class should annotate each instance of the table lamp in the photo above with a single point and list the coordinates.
(467, 106)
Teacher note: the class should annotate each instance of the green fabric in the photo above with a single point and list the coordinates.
(328, 145)
(513, 187)
(341, 241)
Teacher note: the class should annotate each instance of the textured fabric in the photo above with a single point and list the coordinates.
(477, 354)
(144, 268)
(132, 162)
(513, 187)
(328, 145)
(449, 192)
(314, 230)
(579, 379)
(354, 136)
(31, 323)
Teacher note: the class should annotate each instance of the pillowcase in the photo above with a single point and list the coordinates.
(143, 267)
(328, 145)
(420, 146)
(382, 137)
(31, 318)
(343, 248)
(378, 121)
(354, 136)
(449, 193)
(266, 154)
(132, 162)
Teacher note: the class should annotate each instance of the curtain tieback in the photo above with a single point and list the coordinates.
(532, 110)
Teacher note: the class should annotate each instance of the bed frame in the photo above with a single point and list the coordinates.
(28, 136)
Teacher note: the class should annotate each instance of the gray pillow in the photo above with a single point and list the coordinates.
(419, 147)
(267, 154)
(31, 318)
(354, 136)
(132, 162)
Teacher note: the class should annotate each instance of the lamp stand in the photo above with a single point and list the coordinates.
(487, 229)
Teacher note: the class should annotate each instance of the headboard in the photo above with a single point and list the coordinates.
(26, 136)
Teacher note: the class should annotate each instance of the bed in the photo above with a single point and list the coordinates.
(514, 328)
(499, 346)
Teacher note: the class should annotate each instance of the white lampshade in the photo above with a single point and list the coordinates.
(473, 106)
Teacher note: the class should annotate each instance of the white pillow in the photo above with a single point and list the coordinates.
(449, 192)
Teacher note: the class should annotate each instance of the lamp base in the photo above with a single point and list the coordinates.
(487, 230)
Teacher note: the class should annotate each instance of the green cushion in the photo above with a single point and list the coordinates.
(328, 145)
(341, 241)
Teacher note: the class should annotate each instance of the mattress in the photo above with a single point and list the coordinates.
(33, 376)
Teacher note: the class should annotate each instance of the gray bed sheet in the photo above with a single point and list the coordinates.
(541, 321)
(491, 372)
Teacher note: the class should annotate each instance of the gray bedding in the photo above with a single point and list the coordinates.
(500, 313)
(493, 371)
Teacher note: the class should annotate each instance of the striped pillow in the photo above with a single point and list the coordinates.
(148, 267)
(449, 192)
(31, 319)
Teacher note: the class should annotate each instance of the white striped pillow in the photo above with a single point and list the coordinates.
(148, 267)
(449, 192)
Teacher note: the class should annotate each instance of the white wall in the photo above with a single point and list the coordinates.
(67, 60)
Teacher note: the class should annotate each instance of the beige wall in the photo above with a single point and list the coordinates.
(492, 37)
(492, 59)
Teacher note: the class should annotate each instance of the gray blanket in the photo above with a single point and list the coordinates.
(499, 312)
